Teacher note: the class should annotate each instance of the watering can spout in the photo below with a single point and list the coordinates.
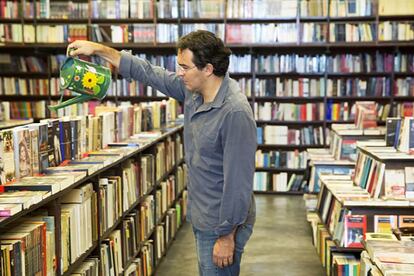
(74, 100)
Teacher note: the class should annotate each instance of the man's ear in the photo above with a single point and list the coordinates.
(209, 69)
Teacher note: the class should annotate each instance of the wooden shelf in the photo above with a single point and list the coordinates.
(289, 99)
(261, 20)
(122, 21)
(404, 74)
(395, 17)
(298, 123)
(289, 147)
(237, 75)
(188, 20)
(279, 193)
(10, 20)
(351, 19)
(358, 98)
(51, 21)
(37, 75)
(359, 75)
(403, 98)
(57, 97)
(24, 98)
(14, 123)
(289, 75)
(263, 169)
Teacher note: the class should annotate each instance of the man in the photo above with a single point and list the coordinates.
(219, 139)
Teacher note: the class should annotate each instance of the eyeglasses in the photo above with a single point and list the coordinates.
(184, 69)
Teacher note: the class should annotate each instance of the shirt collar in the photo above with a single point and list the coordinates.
(221, 94)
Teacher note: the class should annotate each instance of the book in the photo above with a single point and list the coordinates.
(22, 142)
(392, 125)
(7, 165)
(394, 183)
(409, 182)
(68, 167)
(405, 221)
(385, 223)
(380, 236)
(355, 229)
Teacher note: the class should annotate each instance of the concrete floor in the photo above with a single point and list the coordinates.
(280, 245)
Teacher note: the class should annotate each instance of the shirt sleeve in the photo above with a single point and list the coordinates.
(239, 144)
(168, 83)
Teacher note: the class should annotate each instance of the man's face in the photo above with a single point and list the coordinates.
(193, 77)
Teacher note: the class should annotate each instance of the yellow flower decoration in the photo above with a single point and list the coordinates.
(89, 80)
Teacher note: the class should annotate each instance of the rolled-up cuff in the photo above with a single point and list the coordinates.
(125, 65)
(224, 228)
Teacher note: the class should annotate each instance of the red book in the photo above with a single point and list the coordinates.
(355, 230)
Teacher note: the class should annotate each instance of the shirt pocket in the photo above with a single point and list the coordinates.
(207, 141)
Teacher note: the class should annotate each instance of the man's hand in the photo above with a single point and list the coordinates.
(83, 47)
(88, 48)
(223, 250)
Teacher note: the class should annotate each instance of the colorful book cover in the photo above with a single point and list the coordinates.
(43, 144)
(21, 138)
(405, 221)
(355, 229)
(7, 165)
(384, 223)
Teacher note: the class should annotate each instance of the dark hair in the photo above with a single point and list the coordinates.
(206, 48)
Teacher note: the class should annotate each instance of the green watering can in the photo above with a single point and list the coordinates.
(88, 79)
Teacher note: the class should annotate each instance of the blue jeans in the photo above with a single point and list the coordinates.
(205, 241)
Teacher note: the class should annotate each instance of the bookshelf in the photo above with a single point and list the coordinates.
(318, 30)
(171, 172)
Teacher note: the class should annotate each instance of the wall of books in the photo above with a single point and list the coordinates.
(302, 63)
(90, 195)
(362, 218)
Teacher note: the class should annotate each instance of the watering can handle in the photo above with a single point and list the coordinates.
(69, 50)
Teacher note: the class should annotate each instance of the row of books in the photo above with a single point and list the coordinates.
(342, 63)
(335, 263)
(289, 63)
(30, 247)
(13, 63)
(235, 33)
(395, 31)
(117, 9)
(42, 33)
(166, 230)
(281, 159)
(217, 29)
(376, 86)
(31, 149)
(208, 9)
(289, 87)
(378, 179)
(278, 182)
(255, 9)
(51, 9)
(240, 63)
(289, 111)
(261, 9)
(24, 86)
(283, 135)
(352, 32)
(387, 256)
(202, 9)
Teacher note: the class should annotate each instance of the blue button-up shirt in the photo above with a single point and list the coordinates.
(220, 145)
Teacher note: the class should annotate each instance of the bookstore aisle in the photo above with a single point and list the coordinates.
(280, 245)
